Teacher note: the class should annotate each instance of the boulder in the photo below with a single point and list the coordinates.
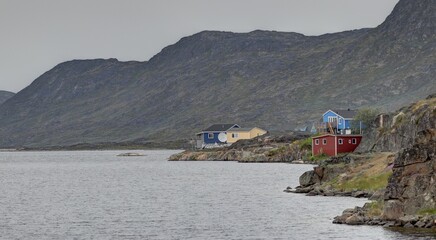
(408, 225)
(359, 194)
(389, 224)
(355, 219)
(308, 178)
(393, 209)
(420, 224)
(409, 218)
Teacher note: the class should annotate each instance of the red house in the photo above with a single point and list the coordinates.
(333, 144)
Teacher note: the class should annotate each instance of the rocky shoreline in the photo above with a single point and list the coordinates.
(407, 197)
(362, 216)
(290, 148)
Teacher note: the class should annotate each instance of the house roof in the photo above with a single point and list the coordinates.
(338, 135)
(241, 129)
(346, 113)
(220, 127)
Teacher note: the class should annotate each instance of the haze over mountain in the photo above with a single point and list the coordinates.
(273, 80)
(5, 95)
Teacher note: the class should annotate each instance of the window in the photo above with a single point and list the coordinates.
(210, 135)
(340, 141)
(235, 135)
(324, 141)
(331, 119)
(316, 141)
(354, 141)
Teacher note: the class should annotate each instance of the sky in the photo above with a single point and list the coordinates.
(37, 35)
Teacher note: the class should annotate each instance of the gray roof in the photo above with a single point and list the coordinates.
(240, 129)
(219, 127)
(346, 113)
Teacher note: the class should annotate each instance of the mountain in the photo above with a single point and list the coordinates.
(273, 80)
(5, 95)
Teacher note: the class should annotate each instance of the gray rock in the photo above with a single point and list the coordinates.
(312, 193)
(303, 190)
(308, 178)
(389, 224)
(131, 154)
(420, 224)
(355, 220)
(409, 225)
(409, 218)
(358, 194)
(393, 209)
(349, 211)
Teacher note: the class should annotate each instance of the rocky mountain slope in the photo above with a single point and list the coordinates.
(5, 95)
(273, 80)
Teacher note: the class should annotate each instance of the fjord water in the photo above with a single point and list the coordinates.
(97, 195)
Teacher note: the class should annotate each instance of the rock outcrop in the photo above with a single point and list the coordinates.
(412, 187)
(283, 148)
(350, 175)
(409, 199)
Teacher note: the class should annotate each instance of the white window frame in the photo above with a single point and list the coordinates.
(324, 141)
(210, 134)
(316, 141)
(354, 141)
(332, 119)
(235, 135)
(340, 141)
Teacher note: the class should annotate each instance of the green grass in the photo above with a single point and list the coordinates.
(427, 211)
(305, 143)
(276, 151)
(371, 183)
(320, 157)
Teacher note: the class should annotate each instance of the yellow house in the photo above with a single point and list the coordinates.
(235, 134)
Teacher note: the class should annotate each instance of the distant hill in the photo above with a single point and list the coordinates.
(273, 80)
(5, 95)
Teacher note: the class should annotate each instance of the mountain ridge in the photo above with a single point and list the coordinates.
(5, 95)
(274, 80)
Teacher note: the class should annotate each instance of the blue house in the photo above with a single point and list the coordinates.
(339, 120)
(214, 136)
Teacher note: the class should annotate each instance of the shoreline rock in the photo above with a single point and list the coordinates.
(361, 216)
(131, 154)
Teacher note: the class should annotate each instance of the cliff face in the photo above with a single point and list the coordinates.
(395, 131)
(412, 188)
(273, 80)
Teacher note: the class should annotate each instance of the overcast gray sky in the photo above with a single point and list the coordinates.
(37, 35)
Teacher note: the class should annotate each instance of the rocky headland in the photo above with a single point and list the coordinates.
(397, 171)
(291, 147)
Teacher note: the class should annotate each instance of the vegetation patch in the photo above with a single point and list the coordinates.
(305, 144)
(277, 151)
(363, 182)
(427, 211)
(320, 157)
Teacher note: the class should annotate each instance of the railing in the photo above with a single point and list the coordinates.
(331, 128)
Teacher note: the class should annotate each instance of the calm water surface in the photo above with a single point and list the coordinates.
(96, 195)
